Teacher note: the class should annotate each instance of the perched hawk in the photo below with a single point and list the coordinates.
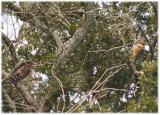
(21, 71)
(136, 50)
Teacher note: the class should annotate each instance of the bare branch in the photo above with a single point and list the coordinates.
(24, 92)
(96, 86)
(9, 43)
(26, 96)
(155, 8)
(45, 98)
(108, 69)
(20, 105)
(10, 101)
(78, 36)
(111, 48)
(61, 86)
(58, 42)
(143, 33)
(22, 15)
(114, 89)
(104, 81)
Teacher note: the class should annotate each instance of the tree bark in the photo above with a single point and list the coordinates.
(76, 39)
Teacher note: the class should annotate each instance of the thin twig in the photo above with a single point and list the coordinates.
(61, 85)
(20, 104)
(114, 89)
(95, 87)
(111, 48)
(9, 100)
(58, 101)
(105, 73)
(45, 99)
(107, 79)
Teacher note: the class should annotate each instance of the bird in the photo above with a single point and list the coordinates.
(136, 50)
(21, 71)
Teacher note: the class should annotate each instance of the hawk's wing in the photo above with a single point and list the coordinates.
(20, 72)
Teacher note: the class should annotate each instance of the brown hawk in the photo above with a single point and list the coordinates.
(21, 71)
(136, 50)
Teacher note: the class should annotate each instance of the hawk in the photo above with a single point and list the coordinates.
(21, 71)
(136, 50)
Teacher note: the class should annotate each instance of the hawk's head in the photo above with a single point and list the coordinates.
(140, 41)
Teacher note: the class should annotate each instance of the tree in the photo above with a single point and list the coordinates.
(80, 53)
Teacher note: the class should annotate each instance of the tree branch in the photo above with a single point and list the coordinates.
(25, 93)
(155, 8)
(78, 36)
(97, 84)
(117, 47)
(143, 33)
(58, 42)
(9, 100)
(24, 16)
(62, 88)
(26, 96)
(9, 43)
